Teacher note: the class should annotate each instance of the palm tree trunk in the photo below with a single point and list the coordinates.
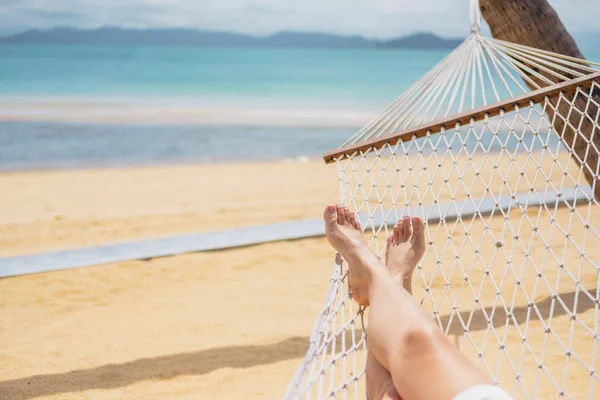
(535, 23)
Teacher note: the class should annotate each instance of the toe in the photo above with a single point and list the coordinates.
(388, 245)
(348, 216)
(357, 224)
(418, 227)
(390, 240)
(406, 229)
(398, 231)
(352, 218)
(329, 215)
(340, 213)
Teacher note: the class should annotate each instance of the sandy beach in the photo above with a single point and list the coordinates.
(192, 326)
(225, 324)
(42, 211)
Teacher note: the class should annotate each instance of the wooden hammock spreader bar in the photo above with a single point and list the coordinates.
(465, 118)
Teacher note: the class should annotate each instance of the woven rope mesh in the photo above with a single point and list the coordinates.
(511, 270)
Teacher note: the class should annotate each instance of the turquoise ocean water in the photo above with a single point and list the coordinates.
(294, 79)
(257, 78)
(295, 76)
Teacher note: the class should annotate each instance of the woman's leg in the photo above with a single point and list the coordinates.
(379, 381)
(405, 247)
(424, 365)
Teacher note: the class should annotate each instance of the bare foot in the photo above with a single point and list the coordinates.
(344, 233)
(405, 247)
(379, 381)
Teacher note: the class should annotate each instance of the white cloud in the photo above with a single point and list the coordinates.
(375, 18)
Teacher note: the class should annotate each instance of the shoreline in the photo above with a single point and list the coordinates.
(132, 165)
(163, 164)
(165, 110)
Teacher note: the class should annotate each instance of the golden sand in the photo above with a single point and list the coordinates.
(197, 326)
(42, 211)
(227, 324)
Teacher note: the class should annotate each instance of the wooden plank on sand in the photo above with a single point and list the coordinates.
(232, 238)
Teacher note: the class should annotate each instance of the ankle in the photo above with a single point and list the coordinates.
(364, 256)
(403, 279)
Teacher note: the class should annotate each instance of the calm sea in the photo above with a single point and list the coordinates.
(263, 79)
(42, 87)
(296, 76)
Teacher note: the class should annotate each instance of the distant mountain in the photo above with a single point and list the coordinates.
(300, 39)
(422, 41)
(120, 36)
(192, 37)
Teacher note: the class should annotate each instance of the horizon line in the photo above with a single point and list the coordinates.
(258, 36)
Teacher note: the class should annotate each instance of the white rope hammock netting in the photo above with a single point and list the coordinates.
(512, 268)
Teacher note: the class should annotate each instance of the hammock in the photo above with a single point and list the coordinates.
(507, 179)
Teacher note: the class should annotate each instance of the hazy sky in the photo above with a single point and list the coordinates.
(373, 18)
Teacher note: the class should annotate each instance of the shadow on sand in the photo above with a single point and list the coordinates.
(205, 361)
(479, 321)
(113, 376)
